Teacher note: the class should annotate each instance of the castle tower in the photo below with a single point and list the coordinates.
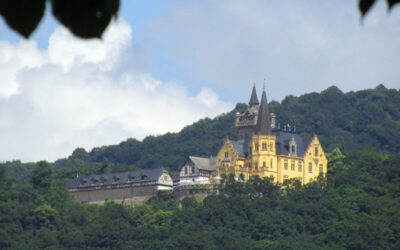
(245, 122)
(263, 126)
(262, 144)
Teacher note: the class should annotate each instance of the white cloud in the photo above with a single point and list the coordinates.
(299, 46)
(79, 94)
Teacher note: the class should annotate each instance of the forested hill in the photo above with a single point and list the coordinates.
(354, 120)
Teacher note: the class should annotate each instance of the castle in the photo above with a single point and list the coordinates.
(261, 149)
(266, 151)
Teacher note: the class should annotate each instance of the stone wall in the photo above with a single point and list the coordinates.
(200, 192)
(126, 195)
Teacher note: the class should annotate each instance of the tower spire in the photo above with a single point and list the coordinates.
(253, 99)
(263, 126)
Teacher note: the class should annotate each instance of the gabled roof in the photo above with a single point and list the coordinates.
(202, 163)
(239, 147)
(263, 126)
(116, 178)
(282, 143)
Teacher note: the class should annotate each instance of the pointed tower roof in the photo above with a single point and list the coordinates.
(263, 126)
(253, 99)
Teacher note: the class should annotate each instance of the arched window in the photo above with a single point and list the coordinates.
(264, 146)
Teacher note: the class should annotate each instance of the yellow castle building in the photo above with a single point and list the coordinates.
(267, 151)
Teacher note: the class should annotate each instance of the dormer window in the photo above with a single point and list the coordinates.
(292, 146)
(82, 181)
(226, 155)
(103, 179)
(115, 179)
(131, 178)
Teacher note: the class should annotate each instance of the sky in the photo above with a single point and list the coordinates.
(163, 65)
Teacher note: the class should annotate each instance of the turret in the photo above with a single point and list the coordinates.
(253, 99)
(263, 126)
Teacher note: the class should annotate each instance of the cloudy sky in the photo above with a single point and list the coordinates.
(165, 64)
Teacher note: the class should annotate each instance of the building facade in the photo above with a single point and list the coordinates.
(129, 188)
(195, 170)
(266, 151)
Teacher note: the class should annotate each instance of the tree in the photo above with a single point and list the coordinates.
(84, 18)
(41, 175)
(365, 5)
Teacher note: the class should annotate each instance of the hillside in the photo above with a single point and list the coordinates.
(354, 120)
(356, 207)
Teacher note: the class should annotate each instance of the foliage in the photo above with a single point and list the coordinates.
(365, 5)
(349, 121)
(356, 207)
(84, 18)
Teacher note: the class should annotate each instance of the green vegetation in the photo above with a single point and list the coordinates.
(357, 207)
(367, 119)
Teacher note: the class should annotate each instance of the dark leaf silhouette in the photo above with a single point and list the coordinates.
(85, 18)
(22, 16)
(391, 3)
(365, 5)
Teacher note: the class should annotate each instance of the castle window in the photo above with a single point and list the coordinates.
(285, 164)
(300, 166)
(292, 167)
(321, 168)
(264, 146)
(226, 155)
(293, 149)
(316, 151)
(256, 166)
(256, 147)
(310, 167)
(193, 170)
(271, 148)
(264, 165)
